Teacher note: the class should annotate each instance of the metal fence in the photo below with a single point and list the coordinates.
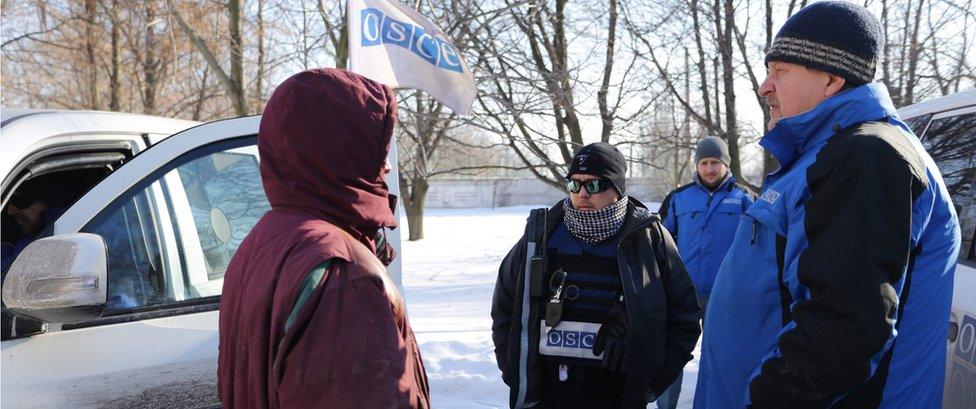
(503, 192)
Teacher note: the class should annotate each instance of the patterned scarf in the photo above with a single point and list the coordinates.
(595, 226)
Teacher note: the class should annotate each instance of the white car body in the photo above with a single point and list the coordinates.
(160, 355)
(954, 116)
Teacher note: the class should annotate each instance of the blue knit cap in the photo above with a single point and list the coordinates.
(836, 37)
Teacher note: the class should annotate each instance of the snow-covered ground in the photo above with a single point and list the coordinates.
(448, 279)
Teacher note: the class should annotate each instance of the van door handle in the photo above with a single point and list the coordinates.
(953, 331)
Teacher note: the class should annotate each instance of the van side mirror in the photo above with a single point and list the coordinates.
(60, 279)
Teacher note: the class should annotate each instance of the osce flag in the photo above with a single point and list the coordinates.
(393, 44)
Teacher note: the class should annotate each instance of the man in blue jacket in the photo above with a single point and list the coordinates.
(702, 217)
(837, 287)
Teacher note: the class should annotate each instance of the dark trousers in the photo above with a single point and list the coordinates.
(585, 387)
(669, 399)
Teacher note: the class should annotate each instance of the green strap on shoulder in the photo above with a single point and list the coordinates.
(311, 281)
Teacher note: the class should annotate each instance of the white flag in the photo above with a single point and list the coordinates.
(393, 44)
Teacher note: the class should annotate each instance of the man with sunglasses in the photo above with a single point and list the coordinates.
(593, 307)
(30, 215)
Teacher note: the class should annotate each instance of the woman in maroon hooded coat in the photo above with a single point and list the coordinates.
(308, 315)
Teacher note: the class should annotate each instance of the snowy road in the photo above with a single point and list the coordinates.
(449, 278)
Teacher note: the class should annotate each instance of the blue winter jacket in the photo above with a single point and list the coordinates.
(837, 287)
(703, 222)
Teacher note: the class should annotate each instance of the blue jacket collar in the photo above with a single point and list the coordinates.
(793, 136)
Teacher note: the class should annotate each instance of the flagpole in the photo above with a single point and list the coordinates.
(349, 40)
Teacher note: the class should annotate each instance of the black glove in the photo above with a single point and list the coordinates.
(611, 338)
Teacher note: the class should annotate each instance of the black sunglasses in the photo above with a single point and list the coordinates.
(592, 186)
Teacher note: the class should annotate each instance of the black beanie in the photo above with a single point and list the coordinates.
(836, 37)
(601, 160)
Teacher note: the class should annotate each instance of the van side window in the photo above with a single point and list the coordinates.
(918, 123)
(952, 143)
(171, 237)
(226, 198)
(137, 276)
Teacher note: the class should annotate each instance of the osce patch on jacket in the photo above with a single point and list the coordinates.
(570, 339)
(770, 196)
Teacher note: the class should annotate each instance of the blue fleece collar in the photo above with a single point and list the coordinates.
(793, 136)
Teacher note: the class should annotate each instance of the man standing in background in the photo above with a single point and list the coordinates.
(702, 217)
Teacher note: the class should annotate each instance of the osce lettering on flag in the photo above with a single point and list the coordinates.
(395, 45)
(381, 29)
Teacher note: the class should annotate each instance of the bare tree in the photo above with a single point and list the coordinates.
(234, 82)
(91, 24)
(423, 129)
(716, 113)
(114, 102)
(334, 20)
(262, 67)
(538, 87)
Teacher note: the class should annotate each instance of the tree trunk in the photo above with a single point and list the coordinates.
(702, 75)
(113, 79)
(914, 53)
(770, 164)
(731, 126)
(886, 49)
(718, 103)
(605, 111)
(151, 63)
(415, 217)
(342, 48)
(338, 34)
(414, 196)
(237, 58)
(679, 148)
(259, 82)
(232, 86)
(91, 54)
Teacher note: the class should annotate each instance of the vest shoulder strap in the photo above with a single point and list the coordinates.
(535, 232)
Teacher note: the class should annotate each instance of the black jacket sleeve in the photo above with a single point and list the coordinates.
(683, 328)
(858, 226)
(502, 306)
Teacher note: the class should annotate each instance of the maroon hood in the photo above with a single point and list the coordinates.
(324, 137)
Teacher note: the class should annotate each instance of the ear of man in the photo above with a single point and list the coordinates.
(835, 84)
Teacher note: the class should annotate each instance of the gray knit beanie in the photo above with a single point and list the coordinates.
(712, 147)
(837, 37)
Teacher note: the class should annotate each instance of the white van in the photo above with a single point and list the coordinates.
(947, 128)
(115, 302)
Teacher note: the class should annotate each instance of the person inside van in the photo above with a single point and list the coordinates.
(30, 215)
